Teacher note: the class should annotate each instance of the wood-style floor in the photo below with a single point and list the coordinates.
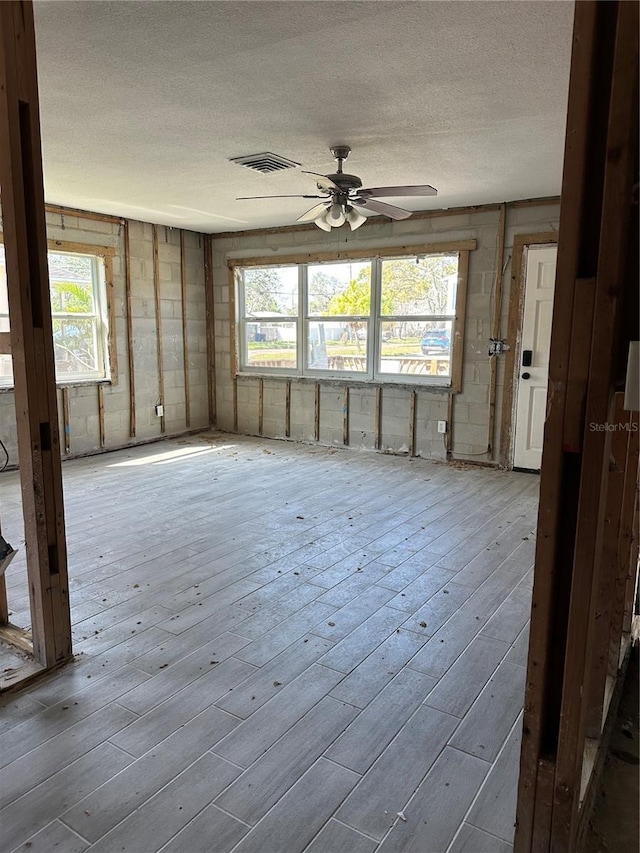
(279, 649)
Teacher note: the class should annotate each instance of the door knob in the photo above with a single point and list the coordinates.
(526, 376)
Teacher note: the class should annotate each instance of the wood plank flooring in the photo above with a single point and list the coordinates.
(278, 649)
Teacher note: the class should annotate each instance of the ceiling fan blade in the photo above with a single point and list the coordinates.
(252, 197)
(381, 192)
(313, 212)
(322, 181)
(390, 210)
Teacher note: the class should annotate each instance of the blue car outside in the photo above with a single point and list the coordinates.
(435, 341)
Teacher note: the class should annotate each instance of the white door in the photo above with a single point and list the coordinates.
(534, 356)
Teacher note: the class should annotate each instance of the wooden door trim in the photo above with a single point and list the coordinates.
(514, 336)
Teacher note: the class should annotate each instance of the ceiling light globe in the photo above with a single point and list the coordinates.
(322, 223)
(335, 215)
(354, 218)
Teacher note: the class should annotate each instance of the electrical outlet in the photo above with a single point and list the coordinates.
(159, 410)
(442, 426)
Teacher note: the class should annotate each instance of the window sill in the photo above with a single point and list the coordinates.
(72, 383)
(411, 382)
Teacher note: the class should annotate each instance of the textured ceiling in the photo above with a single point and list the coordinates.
(143, 103)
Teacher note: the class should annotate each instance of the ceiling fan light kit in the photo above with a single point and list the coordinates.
(344, 199)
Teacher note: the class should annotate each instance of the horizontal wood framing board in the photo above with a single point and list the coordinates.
(422, 214)
(351, 254)
(83, 214)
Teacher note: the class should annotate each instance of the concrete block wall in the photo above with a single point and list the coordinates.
(470, 407)
(84, 426)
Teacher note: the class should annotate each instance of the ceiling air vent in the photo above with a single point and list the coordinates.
(265, 162)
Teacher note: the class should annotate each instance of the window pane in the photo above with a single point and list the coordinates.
(271, 344)
(425, 286)
(337, 346)
(6, 370)
(71, 282)
(342, 289)
(271, 292)
(76, 348)
(416, 348)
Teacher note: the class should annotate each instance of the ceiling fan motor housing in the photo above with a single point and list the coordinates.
(345, 182)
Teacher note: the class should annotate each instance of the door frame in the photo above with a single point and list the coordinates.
(521, 242)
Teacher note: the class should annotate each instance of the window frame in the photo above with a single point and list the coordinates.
(104, 313)
(451, 383)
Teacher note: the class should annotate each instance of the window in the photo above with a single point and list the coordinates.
(79, 316)
(391, 318)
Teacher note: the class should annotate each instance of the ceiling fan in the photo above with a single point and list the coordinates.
(345, 200)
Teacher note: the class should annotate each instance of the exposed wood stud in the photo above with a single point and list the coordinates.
(185, 329)
(101, 415)
(66, 423)
(233, 321)
(316, 413)
(287, 410)
(624, 562)
(112, 341)
(235, 404)
(210, 335)
(345, 415)
(457, 354)
(606, 591)
(260, 406)
(496, 323)
(593, 244)
(448, 439)
(84, 214)
(130, 353)
(619, 155)
(159, 341)
(4, 604)
(412, 422)
(32, 347)
(378, 419)
(306, 257)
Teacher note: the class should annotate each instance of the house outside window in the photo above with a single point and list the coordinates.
(391, 318)
(79, 313)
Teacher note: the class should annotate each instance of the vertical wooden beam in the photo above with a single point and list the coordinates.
(112, 341)
(185, 330)
(235, 404)
(412, 423)
(287, 409)
(620, 156)
(260, 406)
(496, 322)
(448, 439)
(345, 416)
(25, 243)
(211, 350)
(130, 353)
(596, 195)
(632, 573)
(316, 413)
(4, 603)
(378, 419)
(457, 353)
(625, 569)
(66, 421)
(611, 533)
(159, 341)
(101, 429)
